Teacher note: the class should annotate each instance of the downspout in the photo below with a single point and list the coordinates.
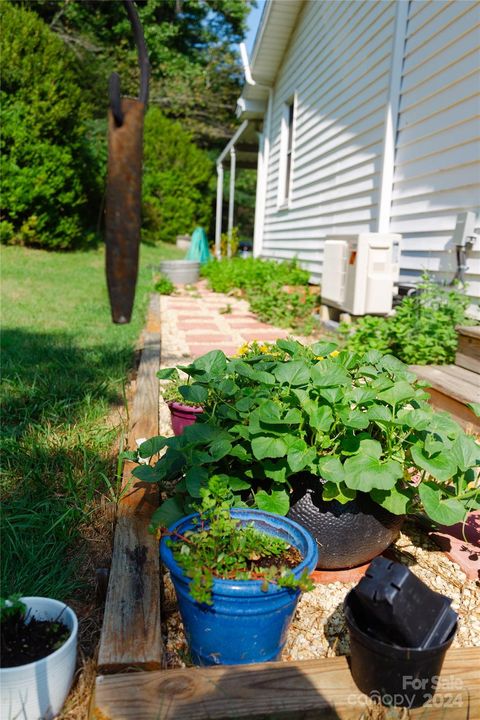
(231, 199)
(262, 169)
(218, 224)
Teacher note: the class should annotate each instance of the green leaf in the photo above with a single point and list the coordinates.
(367, 370)
(354, 418)
(293, 417)
(363, 472)
(213, 364)
(320, 417)
(129, 455)
(152, 446)
(272, 447)
(258, 376)
(300, 455)
(444, 511)
(331, 395)
(193, 393)
(331, 469)
(379, 413)
(372, 357)
(465, 452)
(399, 392)
(290, 346)
(146, 473)
(323, 348)
(167, 373)
(276, 470)
(194, 479)
(168, 513)
(441, 465)
(200, 433)
(341, 493)
(361, 395)
(237, 484)
(245, 404)
(475, 408)
(228, 387)
(276, 501)
(220, 448)
(238, 451)
(395, 500)
(294, 372)
(416, 419)
(443, 424)
(326, 375)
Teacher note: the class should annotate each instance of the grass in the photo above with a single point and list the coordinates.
(64, 368)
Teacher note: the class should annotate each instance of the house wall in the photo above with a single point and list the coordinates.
(437, 161)
(337, 67)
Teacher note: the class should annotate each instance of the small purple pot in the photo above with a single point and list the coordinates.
(183, 415)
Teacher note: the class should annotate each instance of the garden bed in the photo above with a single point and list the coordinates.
(318, 629)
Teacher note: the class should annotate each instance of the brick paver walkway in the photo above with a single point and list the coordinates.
(193, 323)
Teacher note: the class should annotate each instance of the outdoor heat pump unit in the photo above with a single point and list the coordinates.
(360, 271)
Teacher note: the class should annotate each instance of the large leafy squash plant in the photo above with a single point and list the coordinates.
(348, 422)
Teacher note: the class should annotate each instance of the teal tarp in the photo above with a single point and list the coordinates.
(199, 246)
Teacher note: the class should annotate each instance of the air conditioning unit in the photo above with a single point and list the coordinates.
(359, 272)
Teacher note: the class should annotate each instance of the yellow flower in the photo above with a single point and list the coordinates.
(242, 350)
(264, 348)
(334, 353)
(319, 357)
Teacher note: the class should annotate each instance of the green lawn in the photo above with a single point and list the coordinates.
(64, 366)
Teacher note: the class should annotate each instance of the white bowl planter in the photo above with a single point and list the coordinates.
(38, 690)
(181, 272)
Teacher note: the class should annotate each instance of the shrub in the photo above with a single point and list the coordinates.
(164, 285)
(176, 182)
(421, 332)
(48, 174)
(264, 284)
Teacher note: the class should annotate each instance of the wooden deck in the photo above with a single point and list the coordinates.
(451, 387)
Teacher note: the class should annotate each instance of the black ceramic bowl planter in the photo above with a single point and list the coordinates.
(347, 535)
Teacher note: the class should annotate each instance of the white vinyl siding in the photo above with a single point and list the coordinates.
(437, 162)
(337, 65)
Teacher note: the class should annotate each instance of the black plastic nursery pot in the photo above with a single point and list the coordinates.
(392, 675)
(347, 535)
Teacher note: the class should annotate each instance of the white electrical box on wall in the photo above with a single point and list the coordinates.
(359, 272)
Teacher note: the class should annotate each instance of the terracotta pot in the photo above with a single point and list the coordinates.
(347, 535)
(183, 415)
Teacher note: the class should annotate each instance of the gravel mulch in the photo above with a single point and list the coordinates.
(318, 629)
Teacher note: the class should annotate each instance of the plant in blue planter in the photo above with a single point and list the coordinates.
(238, 574)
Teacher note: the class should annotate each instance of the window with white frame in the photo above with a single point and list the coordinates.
(286, 156)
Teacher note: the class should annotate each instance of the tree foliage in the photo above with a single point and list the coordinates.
(195, 74)
(176, 182)
(57, 57)
(48, 172)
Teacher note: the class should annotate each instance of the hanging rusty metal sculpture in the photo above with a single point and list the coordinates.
(124, 182)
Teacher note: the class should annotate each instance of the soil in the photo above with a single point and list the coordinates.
(290, 558)
(26, 640)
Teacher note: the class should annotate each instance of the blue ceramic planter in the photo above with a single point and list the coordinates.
(245, 624)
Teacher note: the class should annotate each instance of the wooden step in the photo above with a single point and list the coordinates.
(451, 387)
(468, 353)
(308, 689)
